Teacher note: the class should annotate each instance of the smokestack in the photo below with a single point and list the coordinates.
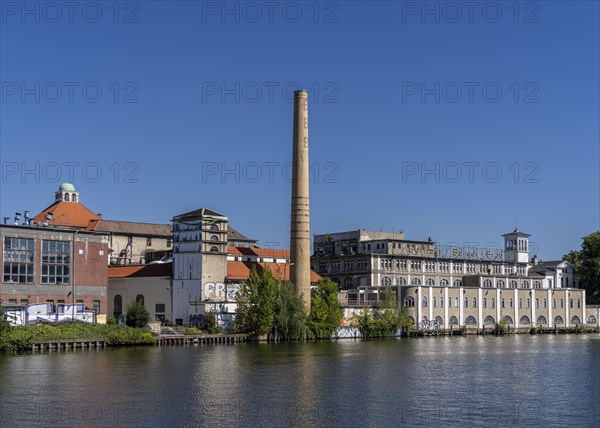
(300, 218)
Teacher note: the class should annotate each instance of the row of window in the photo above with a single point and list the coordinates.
(524, 320)
(19, 256)
(409, 301)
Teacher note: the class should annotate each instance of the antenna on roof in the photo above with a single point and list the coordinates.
(516, 228)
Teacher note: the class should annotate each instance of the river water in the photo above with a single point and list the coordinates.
(461, 381)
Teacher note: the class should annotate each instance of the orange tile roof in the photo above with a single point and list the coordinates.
(239, 271)
(159, 269)
(69, 214)
(258, 252)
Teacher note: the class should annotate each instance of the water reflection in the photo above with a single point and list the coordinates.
(518, 380)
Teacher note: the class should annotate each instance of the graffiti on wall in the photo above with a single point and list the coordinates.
(220, 292)
(21, 315)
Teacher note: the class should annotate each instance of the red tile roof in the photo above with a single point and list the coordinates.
(69, 214)
(258, 252)
(159, 269)
(239, 271)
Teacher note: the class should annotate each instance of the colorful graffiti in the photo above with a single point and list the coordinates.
(21, 315)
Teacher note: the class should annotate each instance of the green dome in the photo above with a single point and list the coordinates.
(68, 187)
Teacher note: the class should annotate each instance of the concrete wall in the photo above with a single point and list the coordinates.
(156, 290)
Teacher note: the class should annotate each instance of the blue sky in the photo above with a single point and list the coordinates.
(500, 104)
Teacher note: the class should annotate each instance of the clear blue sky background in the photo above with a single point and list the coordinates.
(371, 134)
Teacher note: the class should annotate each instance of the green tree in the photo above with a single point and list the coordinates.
(326, 312)
(589, 272)
(383, 321)
(290, 319)
(137, 315)
(574, 257)
(257, 301)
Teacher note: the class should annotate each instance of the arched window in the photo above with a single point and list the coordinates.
(470, 320)
(558, 320)
(508, 320)
(117, 306)
(554, 303)
(67, 197)
(493, 302)
(139, 298)
(424, 302)
(502, 302)
(466, 302)
(439, 320)
(489, 320)
(528, 302)
(520, 303)
(562, 303)
(456, 302)
(474, 302)
(575, 320)
(592, 320)
(458, 282)
(444, 282)
(415, 281)
(485, 302)
(214, 249)
(74, 197)
(386, 281)
(571, 303)
(510, 302)
(500, 283)
(487, 283)
(524, 320)
(430, 281)
(409, 302)
(545, 303)
(541, 320)
(449, 302)
(441, 302)
(513, 284)
(578, 304)
(214, 227)
(214, 238)
(401, 281)
(525, 284)
(433, 302)
(453, 320)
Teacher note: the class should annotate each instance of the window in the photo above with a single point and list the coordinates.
(453, 320)
(489, 320)
(541, 320)
(474, 302)
(97, 306)
(441, 302)
(485, 302)
(520, 303)
(578, 303)
(415, 265)
(117, 306)
(449, 302)
(214, 238)
(386, 281)
(466, 302)
(456, 302)
(487, 283)
(214, 249)
(513, 284)
(500, 284)
(537, 284)
(160, 308)
(24, 302)
(524, 320)
(525, 284)
(430, 281)
(562, 303)
(554, 303)
(510, 302)
(502, 302)
(409, 302)
(401, 281)
(424, 302)
(401, 264)
(493, 302)
(444, 282)
(571, 303)
(148, 242)
(545, 303)
(139, 298)
(433, 302)
(56, 262)
(458, 282)
(169, 242)
(415, 281)
(470, 320)
(457, 267)
(214, 227)
(18, 260)
(558, 320)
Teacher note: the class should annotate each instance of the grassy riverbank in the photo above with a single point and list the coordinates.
(22, 338)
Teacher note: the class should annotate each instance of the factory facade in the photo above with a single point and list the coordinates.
(453, 286)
